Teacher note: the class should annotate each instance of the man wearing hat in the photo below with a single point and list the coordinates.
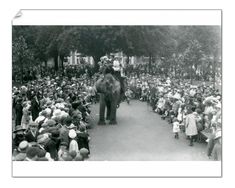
(18, 137)
(35, 107)
(31, 154)
(14, 99)
(21, 155)
(18, 111)
(31, 135)
(84, 153)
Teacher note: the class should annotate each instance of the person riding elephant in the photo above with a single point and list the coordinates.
(109, 89)
(118, 73)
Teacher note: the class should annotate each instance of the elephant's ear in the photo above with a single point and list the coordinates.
(116, 88)
(99, 86)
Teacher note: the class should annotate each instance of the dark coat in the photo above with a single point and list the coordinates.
(16, 141)
(35, 109)
(19, 114)
(30, 137)
(83, 141)
(52, 147)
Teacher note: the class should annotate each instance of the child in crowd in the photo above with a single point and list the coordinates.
(176, 128)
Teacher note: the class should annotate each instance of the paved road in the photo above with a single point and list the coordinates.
(140, 135)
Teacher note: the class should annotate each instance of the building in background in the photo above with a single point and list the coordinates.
(76, 58)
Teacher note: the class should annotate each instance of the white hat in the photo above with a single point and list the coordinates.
(218, 97)
(42, 138)
(72, 134)
(116, 65)
(48, 110)
(23, 145)
(57, 112)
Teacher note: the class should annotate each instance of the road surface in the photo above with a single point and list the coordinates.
(140, 135)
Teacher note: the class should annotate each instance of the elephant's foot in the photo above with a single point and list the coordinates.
(101, 123)
(113, 122)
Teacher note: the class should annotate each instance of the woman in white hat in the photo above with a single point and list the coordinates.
(27, 117)
(73, 145)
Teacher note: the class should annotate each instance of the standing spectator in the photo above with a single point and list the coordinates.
(18, 111)
(18, 137)
(35, 107)
(26, 118)
(14, 101)
(191, 127)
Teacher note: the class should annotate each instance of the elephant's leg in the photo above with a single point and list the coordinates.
(102, 110)
(113, 111)
(108, 105)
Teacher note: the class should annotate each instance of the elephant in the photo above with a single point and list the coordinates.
(109, 89)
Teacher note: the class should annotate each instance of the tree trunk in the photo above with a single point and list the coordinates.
(62, 62)
(21, 70)
(191, 74)
(56, 62)
(45, 63)
(214, 71)
(150, 61)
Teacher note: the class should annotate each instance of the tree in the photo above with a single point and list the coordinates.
(193, 56)
(154, 42)
(49, 43)
(21, 54)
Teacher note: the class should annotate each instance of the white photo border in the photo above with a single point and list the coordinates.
(119, 169)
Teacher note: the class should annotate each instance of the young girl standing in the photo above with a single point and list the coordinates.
(176, 128)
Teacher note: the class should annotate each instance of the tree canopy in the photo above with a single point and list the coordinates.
(187, 45)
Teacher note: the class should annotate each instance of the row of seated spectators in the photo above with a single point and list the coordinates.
(191, 109)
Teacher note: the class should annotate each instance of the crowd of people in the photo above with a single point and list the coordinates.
(51, 119)
(27, 74)
(192, 109)
(51, 112)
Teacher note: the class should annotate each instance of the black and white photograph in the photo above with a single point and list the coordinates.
(85, 93)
